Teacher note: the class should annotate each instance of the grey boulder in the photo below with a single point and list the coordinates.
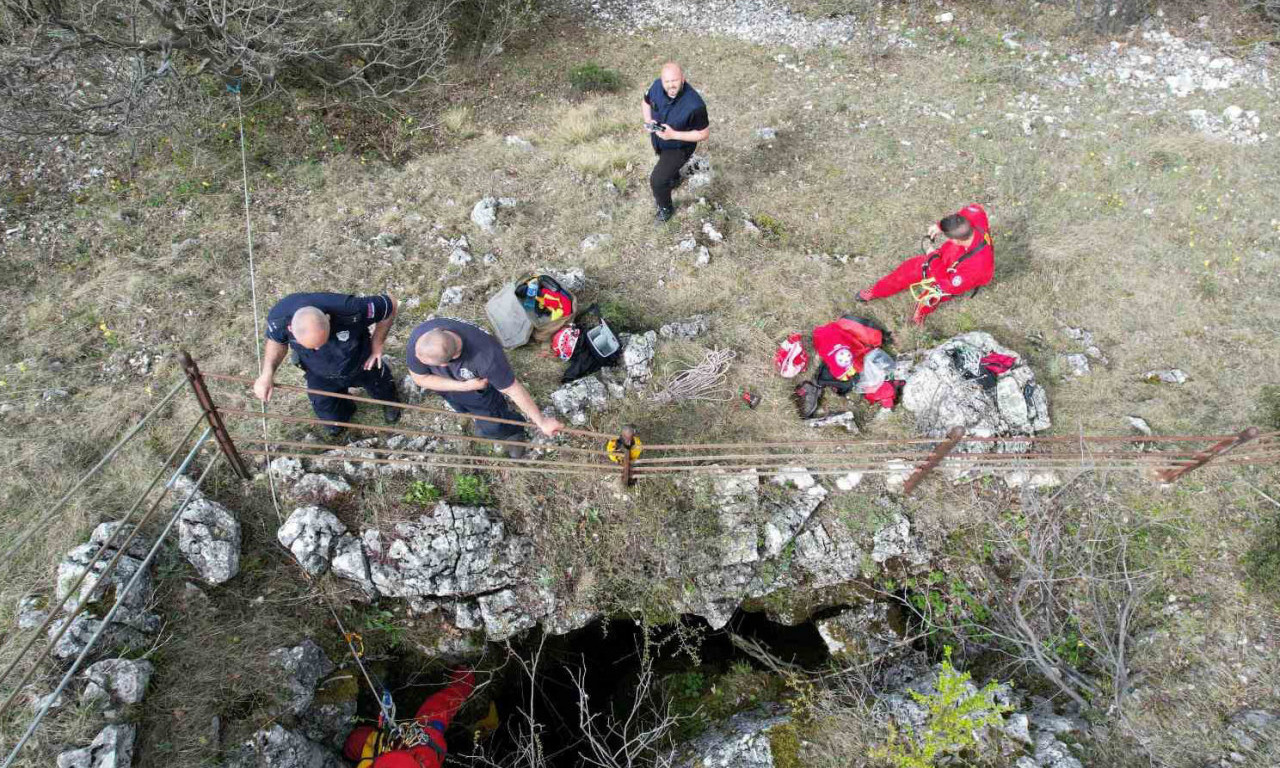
(276, 747)
(309, 533)
(300, 668)
(111, 748)
(209, 537)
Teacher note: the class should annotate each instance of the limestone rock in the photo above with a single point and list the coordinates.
(209, 537)
(1167, 376)
(689, 328)
(637, 357)
(844, 419)
(350, 563)
(861, 634)
(573, 279)
(453, 551)
(32, 611)
(450, 296)
(944, 391)
(503, 615)
(111, 748)
(319, 488)
(131, 623)
(309, 533)
(766, 134)
(276, 747)
(741, 742)
(894, 542)
(1077, 364)
(575, 399)
(696, 171)
(301, 669)
(286, 468)
(484, 214)
(116, 683)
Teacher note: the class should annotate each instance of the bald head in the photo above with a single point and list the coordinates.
(672, 78)
(310, 327)
(438, 347)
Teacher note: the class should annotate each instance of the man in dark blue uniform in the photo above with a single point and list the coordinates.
(468, 368)
(676, 118)
(330, 334)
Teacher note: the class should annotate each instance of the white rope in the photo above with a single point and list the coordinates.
(704, 381)
(266, 446)
(253, 293)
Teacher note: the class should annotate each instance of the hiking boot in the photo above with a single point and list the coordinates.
(808, 396)
(391, 414)
(332, 431)
(665, 214)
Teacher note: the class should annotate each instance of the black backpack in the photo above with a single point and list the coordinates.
(586, 359)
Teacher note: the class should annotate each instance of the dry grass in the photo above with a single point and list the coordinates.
(859, 168)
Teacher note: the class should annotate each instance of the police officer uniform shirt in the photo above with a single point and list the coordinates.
(350, 318)
(482, 356)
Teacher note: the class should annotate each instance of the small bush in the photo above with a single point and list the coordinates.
(593, 78)
(471, 490)
(955, 713)
(769, 226)
(422, 492)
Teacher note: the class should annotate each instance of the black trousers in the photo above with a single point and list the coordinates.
(487, 402)
(666, 174)
(378, 382)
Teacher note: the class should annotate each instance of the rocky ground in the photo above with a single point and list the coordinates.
(1137, 136)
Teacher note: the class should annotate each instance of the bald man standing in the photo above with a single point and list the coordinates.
(676, 118)
(330, 332)
(468, 368)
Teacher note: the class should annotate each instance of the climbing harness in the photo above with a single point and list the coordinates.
(927, 293)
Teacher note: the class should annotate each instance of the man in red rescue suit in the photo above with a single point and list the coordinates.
(424, 745)
(963, 263)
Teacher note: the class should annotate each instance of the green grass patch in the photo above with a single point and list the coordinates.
(471, 490)
(593, 78)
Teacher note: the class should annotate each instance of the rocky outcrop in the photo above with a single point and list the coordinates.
(310, 533)
(111, 748)
(209, 537)
(454, 551)
(276, 747)
(116, 684)
(949, 388)
(319, 488)
(743, 741)
(1033, 737)
(300, 669)
(484, 214)
(578, 398)
(864, 634)
(132, 623)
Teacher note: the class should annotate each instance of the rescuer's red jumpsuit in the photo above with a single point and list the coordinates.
(956, 269)
(365, 746)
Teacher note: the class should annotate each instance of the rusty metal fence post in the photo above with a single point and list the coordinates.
(220, 432)
(626, 441)
(953, 436)
(1208, 455)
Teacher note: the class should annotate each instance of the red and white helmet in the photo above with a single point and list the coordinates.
(565, 341)
(791, 359)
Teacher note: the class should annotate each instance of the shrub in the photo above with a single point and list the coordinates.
(955, 712)
(471, 490)
(422, 492)
(592, 77)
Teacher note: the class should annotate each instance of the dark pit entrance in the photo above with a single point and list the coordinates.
(687, 655)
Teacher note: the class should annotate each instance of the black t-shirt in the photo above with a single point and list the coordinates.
(349, 320)
(686, 112)
(482, 356)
